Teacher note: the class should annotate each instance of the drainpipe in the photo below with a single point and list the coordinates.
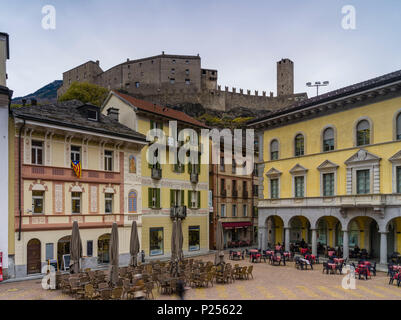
(19, 180)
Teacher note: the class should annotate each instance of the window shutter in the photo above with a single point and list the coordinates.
(189, 168)
(189, 198)
(158, 198)
(171, 197)
(150, 197)
(198, 165)
(182, 197)
(198, 199)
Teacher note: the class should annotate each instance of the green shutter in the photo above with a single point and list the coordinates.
(150, 197)
(198, 199)
(171, 197)
(189, 168)
(157, 198)
(182, 197)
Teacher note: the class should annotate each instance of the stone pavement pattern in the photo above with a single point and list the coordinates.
(269, 283)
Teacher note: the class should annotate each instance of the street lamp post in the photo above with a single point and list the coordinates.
(317, 84)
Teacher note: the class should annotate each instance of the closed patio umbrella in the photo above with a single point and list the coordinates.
(134, 245)
(219, 258)
(173, 241)
(113, 252)
(76, 248)
(180, 240)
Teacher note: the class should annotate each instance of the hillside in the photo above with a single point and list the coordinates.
(46, 94)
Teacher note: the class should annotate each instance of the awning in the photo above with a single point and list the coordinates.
(241, 224)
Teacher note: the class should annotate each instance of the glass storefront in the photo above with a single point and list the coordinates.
(156, 241)
(194, 238)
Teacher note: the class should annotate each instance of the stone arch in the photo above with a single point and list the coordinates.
(300, 226)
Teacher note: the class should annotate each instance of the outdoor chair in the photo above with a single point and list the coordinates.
(372, 268)
(90, 292)
(128, 290)
(65, 286)
(116, 293)
(149, 289)
(105, 294)
(395, 275)
(103, 285)
(76, 289)
(249, 272)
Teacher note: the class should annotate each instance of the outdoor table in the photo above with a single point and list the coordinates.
(338, 260)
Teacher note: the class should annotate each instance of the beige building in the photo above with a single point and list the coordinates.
(49, 195)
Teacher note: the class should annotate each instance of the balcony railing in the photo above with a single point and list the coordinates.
(245, 194)
(223, 193)
(194, 178)
(235, 193)
(178, 212)
(156, 173)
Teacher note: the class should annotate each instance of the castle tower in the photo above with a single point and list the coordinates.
(285, 77)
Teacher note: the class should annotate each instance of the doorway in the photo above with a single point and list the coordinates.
(63, 247)
(103, 245)
(34, 256)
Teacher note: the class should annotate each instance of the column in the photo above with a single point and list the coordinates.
(314, 242)
(287, 239)
(383, 247)
(262, 238)
(345, 244)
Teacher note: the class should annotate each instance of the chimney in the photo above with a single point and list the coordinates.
(34, 102)
(112, 113)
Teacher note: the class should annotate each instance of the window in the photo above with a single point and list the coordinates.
(37, 202)
(154, 197)
(172, 80)
(137, 84)
(398, 172)
(233, 166)
(234, 186)
(187, 81)
(108, 160)
(75, 153)
(156, 125)
(76, 202)
(89, 248)
(132, 202)
(274, 188)
(398, 127)
(108, 203)
(363, 133)
(172, 71)
(245, 207)
(194, 199)
(255, 190)
(49, 251)
(299, 145)
(363, 181)
(173, 61)
(223, 210)
(186, 61)
(187, 71)
(155, 241)
(274, 150)
(328, 184)
(194, 238)
(222, 164)
(328, 139)
(176, 198)
(92, 115)
(299, 187)
(223, 184)
(234, 210)
(244, 189)
(37, 152)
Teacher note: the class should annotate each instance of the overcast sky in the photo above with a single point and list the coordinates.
(241, 39)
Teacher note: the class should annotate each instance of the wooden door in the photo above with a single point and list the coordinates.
(33, 256)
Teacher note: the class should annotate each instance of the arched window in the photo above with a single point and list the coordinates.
(363, 133)
(299, 145)
(328, 139)
(274, 150)
(132, 202)
(398, 129)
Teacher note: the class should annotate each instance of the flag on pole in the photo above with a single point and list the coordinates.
(76, 165)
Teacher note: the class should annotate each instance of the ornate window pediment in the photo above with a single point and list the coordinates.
(362, 156)
(396, 157)
(298, 169)
(273, 173)
(327, 165)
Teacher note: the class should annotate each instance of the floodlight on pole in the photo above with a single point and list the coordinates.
(317, 85)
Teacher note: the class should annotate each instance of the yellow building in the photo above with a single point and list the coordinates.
(48, 194)
(332, 171)
(167, 189)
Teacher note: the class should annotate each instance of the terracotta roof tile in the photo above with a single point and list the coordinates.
(163, 111)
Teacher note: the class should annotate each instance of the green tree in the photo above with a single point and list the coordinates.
(85, 92)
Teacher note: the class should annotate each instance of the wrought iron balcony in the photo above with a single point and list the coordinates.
(178, 212)
(194, 178)
(245, 194)
(223, 193)
(156, 173)
(235, 193)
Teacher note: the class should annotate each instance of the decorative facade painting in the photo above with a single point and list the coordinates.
(132, 164)
(132, 202)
